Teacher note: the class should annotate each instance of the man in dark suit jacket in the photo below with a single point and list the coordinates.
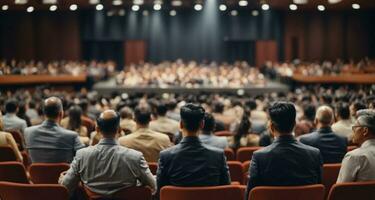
(190, 163)
(286, 162)
(332, 146)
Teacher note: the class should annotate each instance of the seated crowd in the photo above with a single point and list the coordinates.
(110, 141)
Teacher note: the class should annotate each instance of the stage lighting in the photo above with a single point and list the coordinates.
(117, 2)
(53, 8)
(334, 1)
(176, 3)
(234, 13)
(254, 13)
(300, 1)
(198, 7)
(49, 1)
(321, 8)
(135, 8)
(265, 6)
(30, 9)
(172, 13)
(4, 7)
(243, 3)
(138, 2)
(73, 7)
(99, 7)
(20, 2)
(222, 7)
(93, 2)
(356, 6)
(157, 6)
(293, 7)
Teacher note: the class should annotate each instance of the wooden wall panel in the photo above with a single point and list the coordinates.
(266, 50)
(135, 51)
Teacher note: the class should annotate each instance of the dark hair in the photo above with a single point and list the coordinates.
(161, 109)
(192, 116)
(251, 104)
(84, 104)
(142, 115)
(11, 106)
(359, 105)
(309, 111)
(283, 116)
(242, 129)
(209, 123)
(109, 126)
(75, 113)
(218, 107)
(342, 110)
(126, 113)
(52, 110)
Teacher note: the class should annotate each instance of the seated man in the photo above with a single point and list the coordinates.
(190, 163)
(332, 146)
(10, 120)
(48, 142)
(207, 137)
(164, 124)
(359, 164)
(286, 162)
(107, 167)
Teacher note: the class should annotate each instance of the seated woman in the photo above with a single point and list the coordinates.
(242, 136)
(6, 139)
(75, 124)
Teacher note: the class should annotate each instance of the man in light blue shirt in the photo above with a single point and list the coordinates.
(207, 137)
(10, 121)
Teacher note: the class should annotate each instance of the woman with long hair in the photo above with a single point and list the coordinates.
(6, 139)
(75, 124)
(242, 136)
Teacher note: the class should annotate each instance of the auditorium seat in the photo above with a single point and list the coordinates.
(227, 192)
(18, 138)
(223, 133)
(153, 167)
(351, 148)
(131, 193)
(236, 171)
(330, 174)
(7, 154)
(47, 173)
(245, 167)
(353, 191)
(246, 153)
(13, 172)
(18, 191)
(308, 192)
(229, 154)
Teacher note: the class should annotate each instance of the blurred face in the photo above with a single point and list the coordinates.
(360, 133)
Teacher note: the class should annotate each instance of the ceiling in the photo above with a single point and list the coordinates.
(253, 4)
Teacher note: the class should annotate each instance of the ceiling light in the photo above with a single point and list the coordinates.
(300, 1)
(172, 13)
(145, 13)
(334, 1)
(198, 7)
(53, 8)
(138, 2)
(4, 7)
(157, 6)
(73, 7)
(234, 13)
(135, 8)
(356, 6)
(176, 3)
(49, 1)
(99, 7)
(93, 2)
(321, 8)
(265, 6)
(293, 7)
(117, 2)
(255, 13)
(243, 3)
(30, 9)
(20, 1)
(223, 7)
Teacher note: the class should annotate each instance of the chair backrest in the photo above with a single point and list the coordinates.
(223, 133)
(7, 154)
(246, 153)
(245, 167)
(351, 148)
(229, 154)
(130, 193)
(18, 191)
(330, 174)
(47, 173)
(13, 172)
(308, 192)
(18, 138)
(354, 190)
(153, 167)
(227, 192)
(236, 171)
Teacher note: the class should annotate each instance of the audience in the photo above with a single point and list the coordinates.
(11, 121)
(162, 123)
(242, 136)
(75, 124)
(149, 142)
(127, 123)
(332, 146)
(6, 139)
(107, 167)
(343, 125)
(207, 137)
(48, 142)
(286, 162)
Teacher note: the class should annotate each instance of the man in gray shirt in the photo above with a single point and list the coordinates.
(10, 120)
(48, 142)
(208, 138)
(107, 167)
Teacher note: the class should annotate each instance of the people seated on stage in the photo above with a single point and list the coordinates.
(359, 164)
(75, 124)
(207, 136)
(163, 124)
(145, 140)
(286, 162)
(332, 146)
(190, 163)
(344, 123)
(11, 121)
(107, 167)
(127, 122)
(6, 139)
(49, 142)
(242, 136)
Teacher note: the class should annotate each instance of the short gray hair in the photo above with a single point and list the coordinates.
(366, 117)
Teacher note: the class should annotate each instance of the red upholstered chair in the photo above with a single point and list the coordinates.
(47, 173)
(153, 167)
(308, 192)
(18, 191)
(353, 191)
(246, 153)
(223, 133)
(227, 192)
(229, 154)
(18, 138)
(351, 148)
(330, 174)
(7, 154)
(13, 172)
(245, 167)
(235, 170)
(131, 193)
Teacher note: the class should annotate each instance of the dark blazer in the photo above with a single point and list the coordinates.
(331, 146)
(286, 162)
(190, 163)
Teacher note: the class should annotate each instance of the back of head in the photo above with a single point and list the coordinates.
(108, 123)
(126, 113)
(192, 116)
(366, 117)
(324, 115)
(358, 105)
(52, 108)
(11, 106)
(209, 123)
(75, 113)
(342, 110)
(309, 112)
(84, 104)
(161, 109)
(282, 116)
(218, 107)
(142, 115)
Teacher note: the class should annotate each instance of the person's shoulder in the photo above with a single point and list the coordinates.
(32, 129)
(171, 150)
(213, 150)
(160, 136)
(308, 148)
(308, 137)
(68, 133)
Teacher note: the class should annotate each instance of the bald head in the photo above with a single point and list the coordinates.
(52, 108)
(108, 123)
(324, 115)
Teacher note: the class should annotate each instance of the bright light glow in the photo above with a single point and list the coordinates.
(255, 13)
(223, 7)
(53, 8)
(157, 6)
(30, 9)
(4, 7)
(93, 2)
(145, 13)
(293, 7)
(138, 2)
(121, 12)
(321, 8)
(135, 8)
(265, 6)
(334, 1)
(20, 2)
(243, 3)
(117, 2)
(172, 13)
(99, 7)
(73, 7)
(198, 7)
(234, 12)
(300, 1)
(356, 6)
(49, 1)
(176, 3)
